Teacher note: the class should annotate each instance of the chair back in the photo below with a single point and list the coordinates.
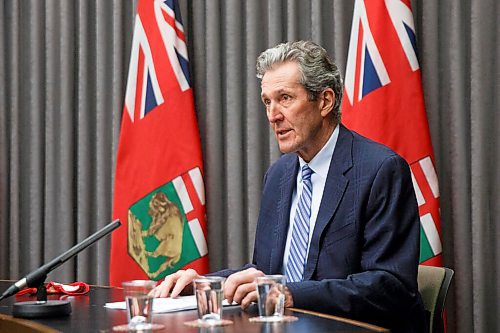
(433, 285)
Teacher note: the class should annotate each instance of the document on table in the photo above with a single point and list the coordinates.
(164, 305)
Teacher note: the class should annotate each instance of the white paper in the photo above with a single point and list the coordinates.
(164, 305)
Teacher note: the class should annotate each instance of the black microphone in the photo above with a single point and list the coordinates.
(38, 276)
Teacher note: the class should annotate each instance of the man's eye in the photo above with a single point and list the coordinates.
(266, 102)
(286, 97)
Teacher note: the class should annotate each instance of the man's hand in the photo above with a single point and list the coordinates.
(240, 287)
(175, 283)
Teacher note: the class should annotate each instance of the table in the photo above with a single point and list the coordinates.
(89, 315)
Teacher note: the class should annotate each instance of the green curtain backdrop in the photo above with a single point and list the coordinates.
(63, 68)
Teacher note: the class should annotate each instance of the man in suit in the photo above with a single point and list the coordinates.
(338, 213)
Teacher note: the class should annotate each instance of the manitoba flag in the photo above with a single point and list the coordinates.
(159, 193)
(384, 101)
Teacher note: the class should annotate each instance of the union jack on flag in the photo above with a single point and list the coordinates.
(159, 186)
(385, 102)
(144, 82)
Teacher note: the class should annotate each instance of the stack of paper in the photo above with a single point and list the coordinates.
(163, 305)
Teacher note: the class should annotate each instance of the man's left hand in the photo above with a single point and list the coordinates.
(240, 287)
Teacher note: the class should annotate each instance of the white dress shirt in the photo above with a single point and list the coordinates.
(320, 164)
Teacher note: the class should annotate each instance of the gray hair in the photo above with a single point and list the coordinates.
(317, 70)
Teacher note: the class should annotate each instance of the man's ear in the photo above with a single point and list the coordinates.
(326, 101)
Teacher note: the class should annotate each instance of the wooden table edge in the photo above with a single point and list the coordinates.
(345, 320)
(28, 324)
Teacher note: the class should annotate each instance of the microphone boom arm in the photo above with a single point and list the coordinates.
(38, 276)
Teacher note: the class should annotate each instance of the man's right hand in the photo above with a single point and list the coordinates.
(174, 283)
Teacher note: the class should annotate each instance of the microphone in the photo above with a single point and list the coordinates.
(38, 276)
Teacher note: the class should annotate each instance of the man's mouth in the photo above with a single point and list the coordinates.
(282, 132)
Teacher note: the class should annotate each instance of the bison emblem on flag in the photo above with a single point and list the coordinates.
(161, 236)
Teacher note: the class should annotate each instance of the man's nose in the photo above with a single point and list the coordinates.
(274, 112)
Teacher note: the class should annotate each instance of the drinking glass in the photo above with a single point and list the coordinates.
(209, 293)
(139, 303)
(271, 297)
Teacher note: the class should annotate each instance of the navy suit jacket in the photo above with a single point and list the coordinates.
(364, 252)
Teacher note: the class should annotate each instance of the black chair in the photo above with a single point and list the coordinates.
(433, 285)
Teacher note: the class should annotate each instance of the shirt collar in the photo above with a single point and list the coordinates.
(321, 162)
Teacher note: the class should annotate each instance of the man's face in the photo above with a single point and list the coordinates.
(296, 121)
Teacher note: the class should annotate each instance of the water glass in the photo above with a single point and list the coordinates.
(139, 304)
(271, 297)
(209, 293)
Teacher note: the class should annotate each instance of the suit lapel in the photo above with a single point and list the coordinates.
(335, 186)
(286, 187)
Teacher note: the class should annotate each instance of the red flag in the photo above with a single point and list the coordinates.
(159, 193)
(384, 101)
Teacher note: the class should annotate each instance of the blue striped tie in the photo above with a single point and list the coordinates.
(300, 234)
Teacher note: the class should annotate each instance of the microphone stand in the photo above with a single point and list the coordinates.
(42, 307)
